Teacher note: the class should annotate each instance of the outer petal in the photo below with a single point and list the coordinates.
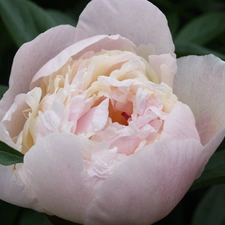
(31, 57)
(137, 20)
(200, 83)
(180, 117)
(14, 191)
(148, 185)
(53, 170)
(14, 118)
(95, 44)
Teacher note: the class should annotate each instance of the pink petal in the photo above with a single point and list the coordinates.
(94, 120)
(12, 190)
(5, 137)
(50, 121)
(14, 118)
(165, 66)
(148, 185)
(200, 83)
(76, 50)
(31, 57)
(53, 170)
(138, 20)
(180, 124)
(126, 144)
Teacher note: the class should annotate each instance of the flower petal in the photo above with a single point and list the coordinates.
(14, 118)
(5, 137)
(180, 124)
(95, 44)
(53, 170)
(94, 120)
(138, 20)
(165, 66)
(200, 83)
(31, 57)
(14, 191)
(148, 185)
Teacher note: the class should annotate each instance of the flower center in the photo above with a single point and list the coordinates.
(105, 98)
(118, 116)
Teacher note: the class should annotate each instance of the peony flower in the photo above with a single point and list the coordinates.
(114, 129)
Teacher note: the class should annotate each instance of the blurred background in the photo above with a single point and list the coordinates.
(197, 28)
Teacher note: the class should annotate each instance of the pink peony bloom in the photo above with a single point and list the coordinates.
(114, 129)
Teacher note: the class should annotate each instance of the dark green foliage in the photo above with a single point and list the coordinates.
(9, 156)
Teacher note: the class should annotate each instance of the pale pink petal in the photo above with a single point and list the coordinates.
(78, 107)
(165, 66)
(13, 190)
(200, 83)
(124, 138)
(50, 120)
(31, 57)
(94, 120)
(53, 170)
(127, 144)
(95, 44)
(148, 185)
(138, 20)
(5, 137)
(180, 124)
(14, 118)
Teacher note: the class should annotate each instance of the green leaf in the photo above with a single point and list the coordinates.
(9, 156)
(15, 215)
(61, 18)
(173, 21)
(211, 209)
(5, 37)
(194, 49)
(202, 29)
(29, 216)
(9, 213)
(3, 89)
(214, 172)
(59, 221)
(209, 5)
(25, 20)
